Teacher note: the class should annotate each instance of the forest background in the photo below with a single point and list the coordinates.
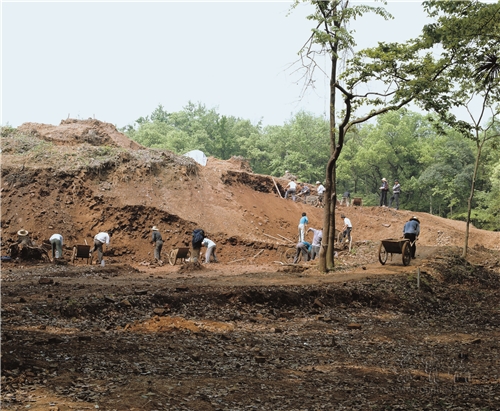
(434, 166)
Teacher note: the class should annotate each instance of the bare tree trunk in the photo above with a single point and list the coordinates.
(471, 196)
(326, 262)
(326, 255)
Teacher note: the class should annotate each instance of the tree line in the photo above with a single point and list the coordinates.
(435, 165)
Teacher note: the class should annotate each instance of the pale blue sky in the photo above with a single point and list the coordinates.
(116, 61)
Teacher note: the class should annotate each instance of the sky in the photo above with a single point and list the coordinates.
(117, 61)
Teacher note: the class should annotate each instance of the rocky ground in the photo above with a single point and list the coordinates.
(247, 333)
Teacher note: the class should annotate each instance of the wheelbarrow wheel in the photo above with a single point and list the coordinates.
(382, 254)
(406, 253)
(338, 237)
(172, 257)
(288, 256)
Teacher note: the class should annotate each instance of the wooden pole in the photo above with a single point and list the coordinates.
(270, 236)
(234, 261)
(277, 189)
(260, 252)
(287, 239)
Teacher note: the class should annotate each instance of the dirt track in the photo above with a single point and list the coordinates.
(248, 333)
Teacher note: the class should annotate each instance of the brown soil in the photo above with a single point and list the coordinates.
(249, 332)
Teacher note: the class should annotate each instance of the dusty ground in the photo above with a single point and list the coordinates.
(249, 332)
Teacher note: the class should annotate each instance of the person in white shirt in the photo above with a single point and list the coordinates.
(320, 189)
(346, 230)
(99, 240)
(291, 188)
(57, 241)
(210, 250)
(316, 242)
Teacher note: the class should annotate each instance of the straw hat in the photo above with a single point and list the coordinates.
(318, 182)
(155, 228)
(22, 232)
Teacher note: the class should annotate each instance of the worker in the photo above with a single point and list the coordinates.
(56, 241)
(198, 237)
(23, 238)
(411, 231)
(346, 199)
(158, 242)
(291, 188)
(304, 192)
(100, 239)
(303, 247)
(320, 190)
(346, 230)
(302, 226)
(210, 250)
(316, 242)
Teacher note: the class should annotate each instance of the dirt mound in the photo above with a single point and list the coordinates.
(72, 131)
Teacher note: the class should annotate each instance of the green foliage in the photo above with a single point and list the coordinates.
(434, 168)
(7, 130)
(195, 127)
(300, 146)
(14, 142)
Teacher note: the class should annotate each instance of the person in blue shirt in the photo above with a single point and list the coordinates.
(305, 248)
(302, 226)
(411, 231)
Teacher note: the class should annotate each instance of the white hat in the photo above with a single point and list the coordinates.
(384, 179)
(318, 182)
(22, 232)
(155, 228)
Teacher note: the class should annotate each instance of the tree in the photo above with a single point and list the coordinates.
(446, 163)
(194, 127)
(390, 148)
(398, 71)
(469, 35)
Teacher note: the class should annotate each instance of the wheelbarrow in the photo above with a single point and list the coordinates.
(181, 253)
(395, 246)
(343, 242)
(81, 251)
